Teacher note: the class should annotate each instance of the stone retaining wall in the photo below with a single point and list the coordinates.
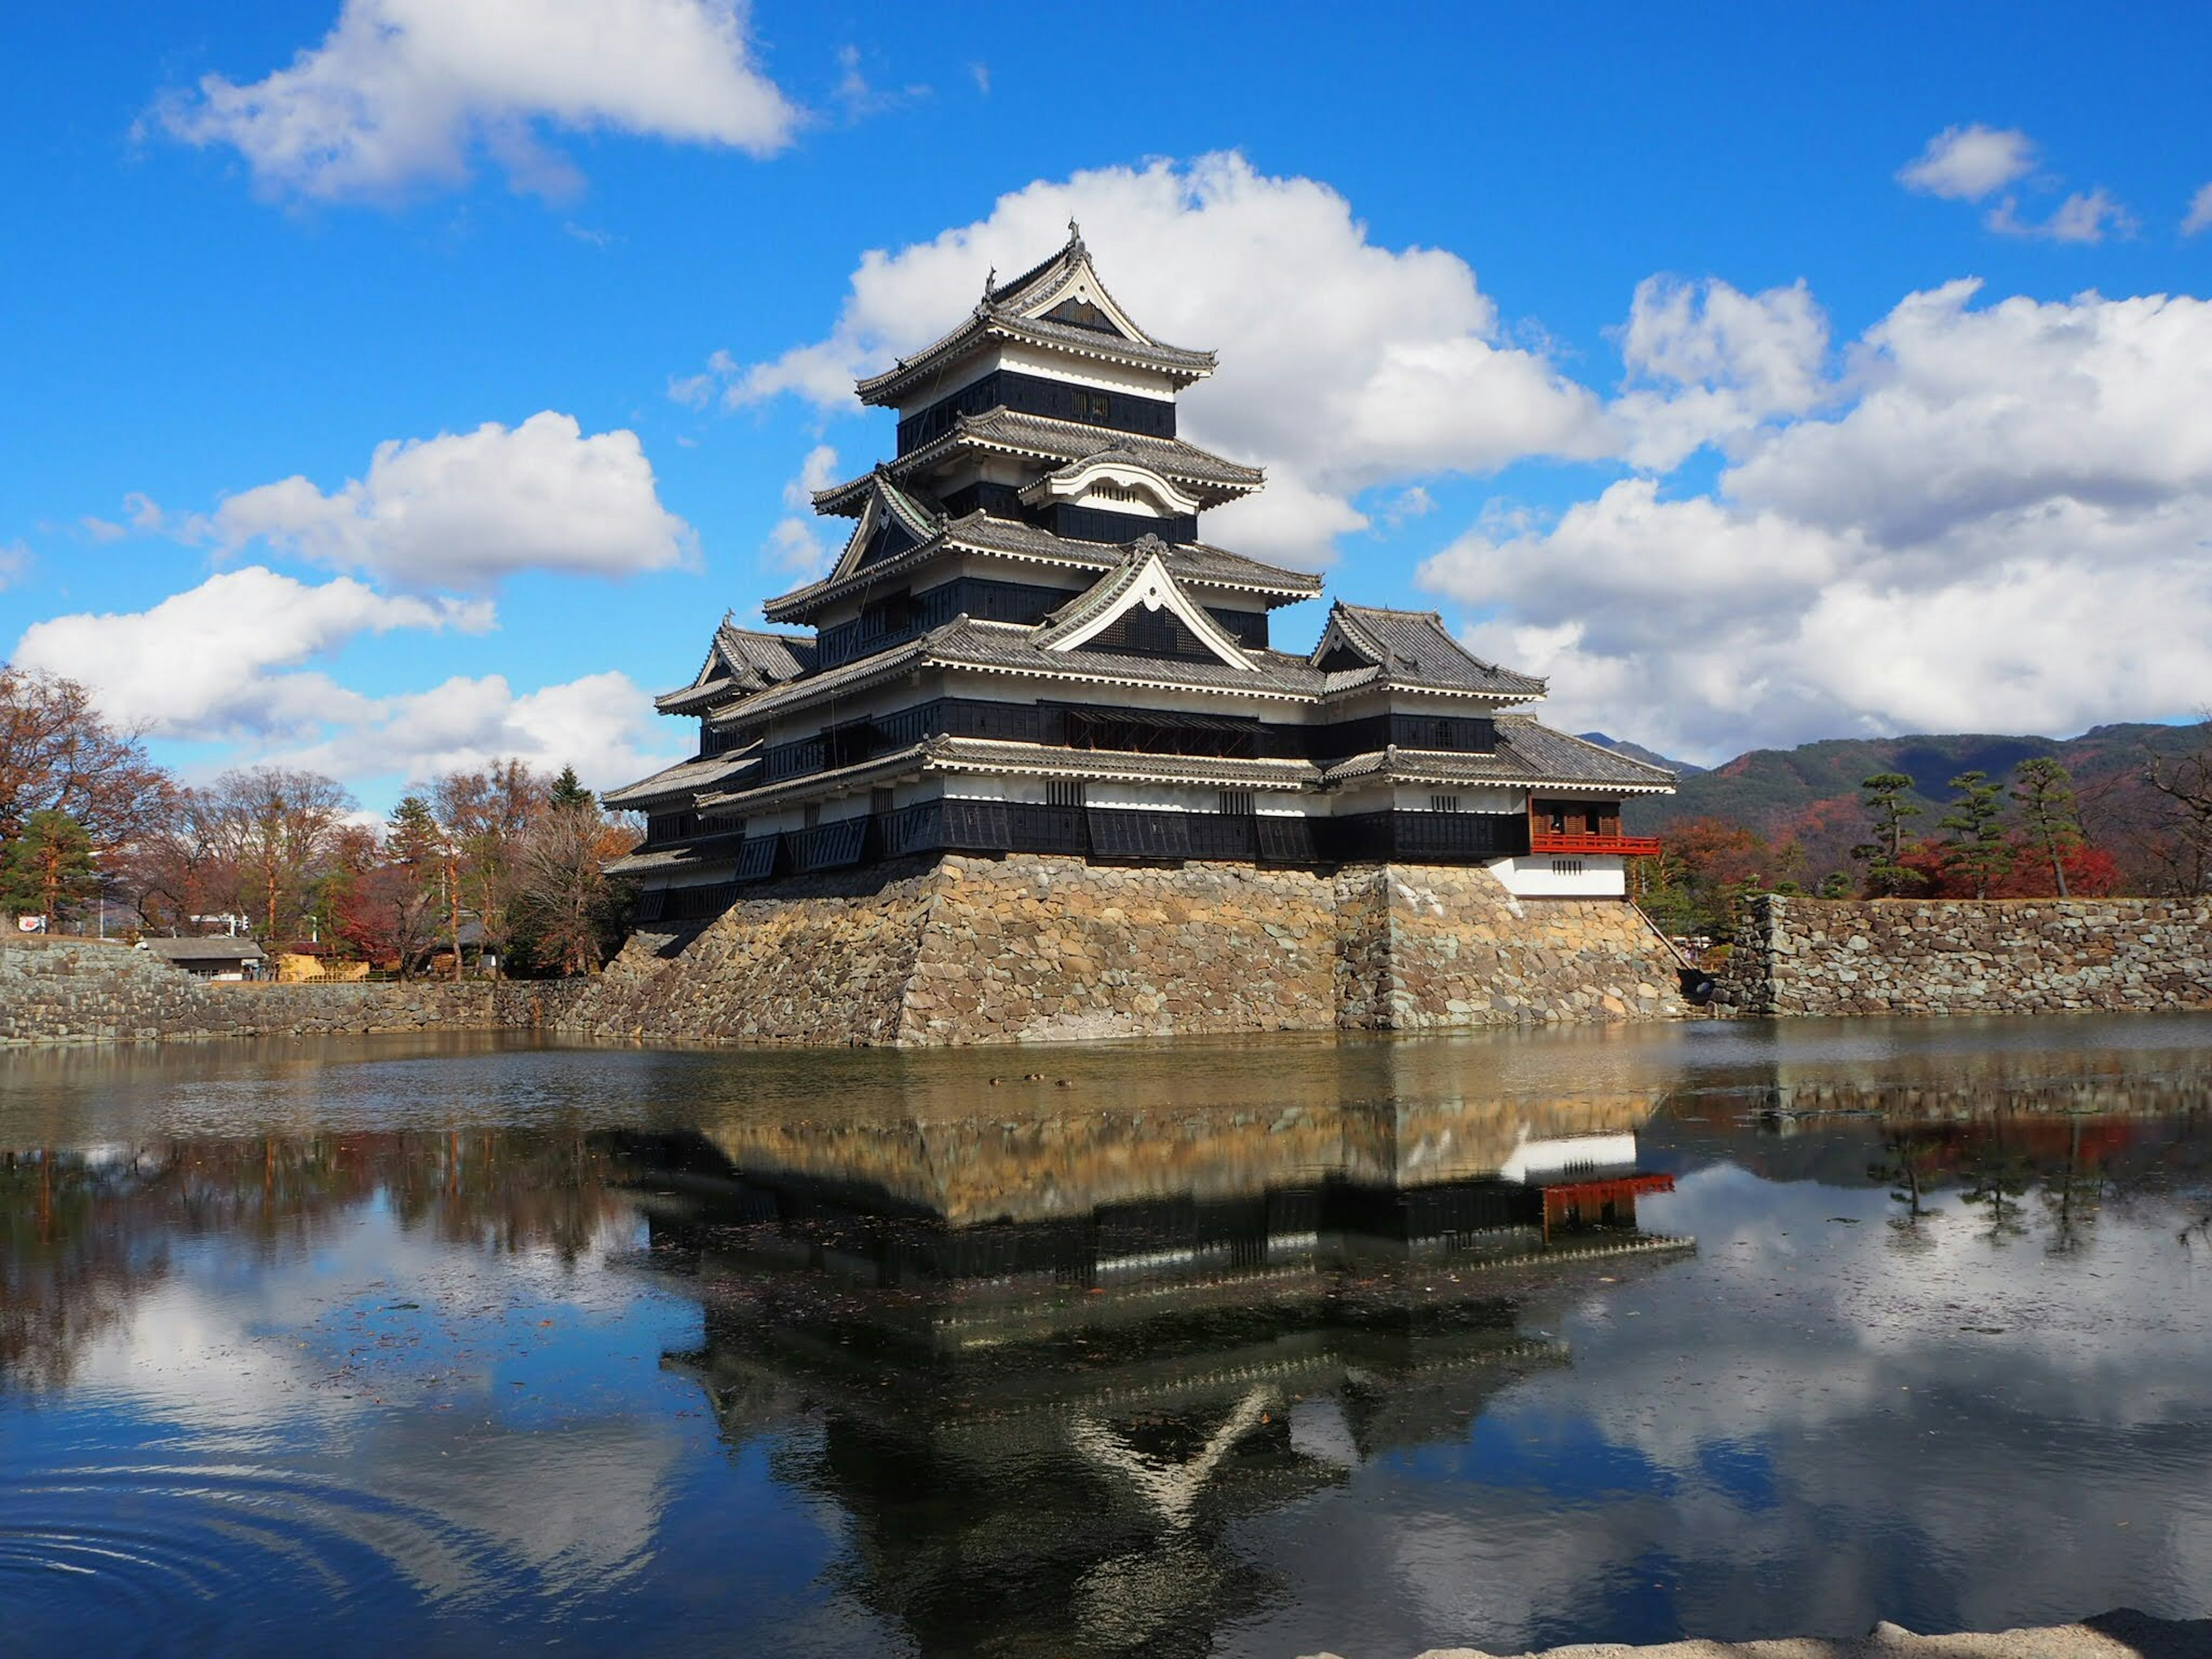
(1028, 947)
(79, 991)
(1800, 956)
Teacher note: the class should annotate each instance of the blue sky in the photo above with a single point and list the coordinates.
(1736, 511)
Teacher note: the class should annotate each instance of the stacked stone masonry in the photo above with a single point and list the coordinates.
(1796, 956)
(73, 991)
(1029, 947)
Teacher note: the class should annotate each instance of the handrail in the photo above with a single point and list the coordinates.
(1545, 840)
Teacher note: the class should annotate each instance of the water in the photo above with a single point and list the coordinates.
(1244, 1348)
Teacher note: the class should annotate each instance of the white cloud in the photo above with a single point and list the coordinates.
(462, 510)
(1346, 364)
(15, 561)
(218, 659)
(603, 724)
(2008, 527)
(2084, 216)
(2199, 217)
(1965, 413)
(1714, 362)
(401, 93)
(797, 546)
(1965, 164)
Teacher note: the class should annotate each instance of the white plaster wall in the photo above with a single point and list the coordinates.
(1601, 877)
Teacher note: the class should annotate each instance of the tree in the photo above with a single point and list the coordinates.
(57, 754)
(2045, 791)
(568, 790)
(1977, 847)
(279, 829)
(389, 913)
(485, 816)
(48, 866)
(573, 913)
(1883, 852)
(2183, 782)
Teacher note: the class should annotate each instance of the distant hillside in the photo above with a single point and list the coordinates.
(1811, 793)
(1637, 752)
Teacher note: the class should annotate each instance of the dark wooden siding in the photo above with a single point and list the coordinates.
(1034, 394)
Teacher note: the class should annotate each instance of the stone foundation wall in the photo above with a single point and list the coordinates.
(78, 991)
(961, 949)
(1799, 956)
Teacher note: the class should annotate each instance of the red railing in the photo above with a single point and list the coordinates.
(1631, 847)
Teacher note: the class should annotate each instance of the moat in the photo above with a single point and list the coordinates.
(1212, 1347)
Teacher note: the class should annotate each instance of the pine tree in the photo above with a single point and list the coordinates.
(2044, 790)
(1883, 852)
(568, 790)
(48, 868)
(411, 833)
(1978, 848)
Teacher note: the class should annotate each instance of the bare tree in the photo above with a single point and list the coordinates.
(485, 816)
(2184, 845)
(564, 896)
(279, 830)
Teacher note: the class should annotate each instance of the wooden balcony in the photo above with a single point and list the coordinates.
(1587, 845)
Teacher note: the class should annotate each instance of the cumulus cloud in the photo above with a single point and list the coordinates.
(1346, 365)
(603, 724)
(1706, 362)
(462, 510)
(1965, 164)
(225, 657)
(233, 660)
(2005, 527)
(403, 93)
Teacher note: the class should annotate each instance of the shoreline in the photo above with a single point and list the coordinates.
(2123, 1633)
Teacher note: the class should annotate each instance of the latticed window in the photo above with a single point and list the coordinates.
(1443, 803)
(1566, 866)
(1237, 802)
(1064, 792)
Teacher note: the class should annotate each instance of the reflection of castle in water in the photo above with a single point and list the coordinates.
(1046, 1411)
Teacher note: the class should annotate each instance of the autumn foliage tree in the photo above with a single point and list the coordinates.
(58, 754)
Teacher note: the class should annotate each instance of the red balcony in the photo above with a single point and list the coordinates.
(1586, 846)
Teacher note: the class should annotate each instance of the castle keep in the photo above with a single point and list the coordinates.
(1027, 655)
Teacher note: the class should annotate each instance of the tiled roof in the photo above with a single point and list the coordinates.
(220, 947)
(991, 755)
(708, 852)
(740, 660)
(1014, 649)
(1414, 648)
(1020, 310)
(1554, 755)
(992, 321)
(767, 795)
(700, 772)
(1213, 478)
(1528, 754)
(1188, 562)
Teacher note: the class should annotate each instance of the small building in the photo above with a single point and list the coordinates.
(1027, 645)
(221, 957)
